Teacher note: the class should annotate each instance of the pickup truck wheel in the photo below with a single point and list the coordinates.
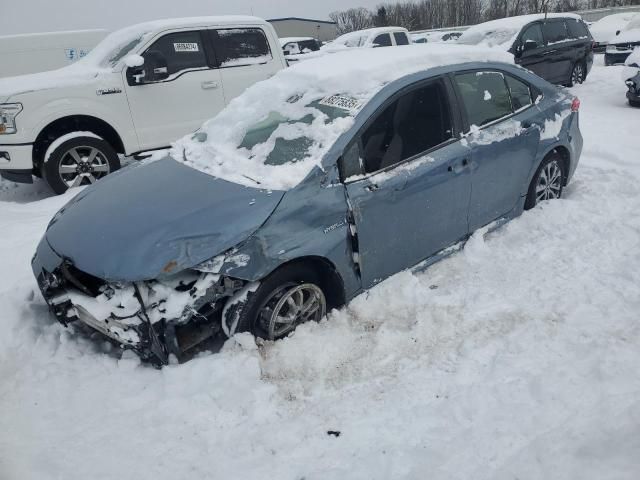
(285, 299)
(79, 161)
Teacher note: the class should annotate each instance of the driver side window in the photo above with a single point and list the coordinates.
(411, 125)
(176, 52)
(534, 34)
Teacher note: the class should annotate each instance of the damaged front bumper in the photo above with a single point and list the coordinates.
(155, 318)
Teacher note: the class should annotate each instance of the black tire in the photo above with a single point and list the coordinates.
(532, 195)
(634, 103)
(578, 73)
(270, 289)
(56, 170)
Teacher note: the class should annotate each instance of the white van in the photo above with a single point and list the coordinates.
(140, 89)
(39, 52)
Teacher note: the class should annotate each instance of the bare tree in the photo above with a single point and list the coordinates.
(352, 19)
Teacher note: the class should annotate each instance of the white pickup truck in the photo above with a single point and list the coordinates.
(140, 89)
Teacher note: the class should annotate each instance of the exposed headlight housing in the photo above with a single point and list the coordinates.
(8, 114)
(612, 49)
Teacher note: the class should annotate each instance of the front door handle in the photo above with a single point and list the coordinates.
(371, 188)
(209, 85)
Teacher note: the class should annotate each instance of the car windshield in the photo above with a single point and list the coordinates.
(634, 23)
(115, 47)
(279, 149)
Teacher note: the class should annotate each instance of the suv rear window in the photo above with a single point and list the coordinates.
(485, 96)
(240, 46)
(554, 31)
(577, 29)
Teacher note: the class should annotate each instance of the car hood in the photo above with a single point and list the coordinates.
(156, 219)
(628, 36)
(70, 76)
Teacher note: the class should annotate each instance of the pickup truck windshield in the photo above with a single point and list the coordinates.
(115, 47)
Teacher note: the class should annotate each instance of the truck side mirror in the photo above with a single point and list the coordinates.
(153, 68)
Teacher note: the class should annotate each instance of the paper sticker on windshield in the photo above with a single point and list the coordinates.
(186, 47)
(340, 101)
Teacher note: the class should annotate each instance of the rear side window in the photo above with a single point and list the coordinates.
(533, 33)
(240, 46)
(383, 40)
(401, 38)
(577, 29)
(181, 50)
(414, 123)
(520, 93)
(485, 96)
(554, 32)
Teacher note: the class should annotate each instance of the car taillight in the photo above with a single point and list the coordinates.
(575, 105)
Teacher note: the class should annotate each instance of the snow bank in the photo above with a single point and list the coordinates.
(356, 75)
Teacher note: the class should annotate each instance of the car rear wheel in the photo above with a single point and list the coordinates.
(547, 183)
(285, 299)
(578, 74)
(79, 161)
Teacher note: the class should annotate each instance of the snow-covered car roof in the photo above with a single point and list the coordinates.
(630, 33)
(605, 29)
(362, 38)
(345, 80)
(503, 32)
(283, 41)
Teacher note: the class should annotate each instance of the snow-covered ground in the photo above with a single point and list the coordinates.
(517, 357)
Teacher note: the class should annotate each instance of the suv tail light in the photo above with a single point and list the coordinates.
(575, 105)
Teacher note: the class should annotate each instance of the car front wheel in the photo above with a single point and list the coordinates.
(80, 160)
(285, 299)
(547, 183)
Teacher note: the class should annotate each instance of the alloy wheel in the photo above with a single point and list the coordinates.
(577, 74)
(549, 185)
(82, 166)
(290, 306)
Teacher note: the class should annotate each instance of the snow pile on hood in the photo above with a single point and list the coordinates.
(604, 30)
(504, 31)
(631, 32)
(357, 76)
(630, 71)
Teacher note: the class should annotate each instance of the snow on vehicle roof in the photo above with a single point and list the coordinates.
(284, 40)
(503, 32)
(345, 80)
(605, 29)
(362, 38)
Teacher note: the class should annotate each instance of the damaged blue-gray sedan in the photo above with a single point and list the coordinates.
(306, 190)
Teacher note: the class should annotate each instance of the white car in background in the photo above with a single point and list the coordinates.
(607, 27)
(370, 38)
(140, 89)
(437, 36)
(298, 45)
(39, 52)
(623, 43)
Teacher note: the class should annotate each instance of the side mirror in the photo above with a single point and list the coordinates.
(148, 69)
(617, 32)
(529, 45)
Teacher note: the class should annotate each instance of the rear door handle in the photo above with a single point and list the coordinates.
(209, 85)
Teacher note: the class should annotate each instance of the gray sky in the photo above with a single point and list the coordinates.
(27, 16)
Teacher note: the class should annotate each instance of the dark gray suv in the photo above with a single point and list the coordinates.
(556, 47)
